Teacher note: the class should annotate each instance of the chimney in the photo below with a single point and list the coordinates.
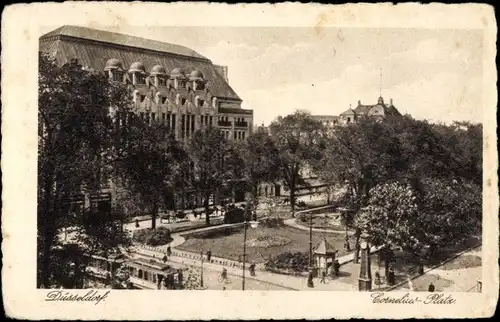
(359, 102)
(390, 102)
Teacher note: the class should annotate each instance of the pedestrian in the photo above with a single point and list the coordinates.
(169, 251)
(377, 278)
(323, 276)
(336, 267)
(224, 273)
(136, 223)
(391, 277)
(180, 276)
(165, 258)
(347, 246)
(252, 269)
(431, 287)
(209, 255)
(310, 282)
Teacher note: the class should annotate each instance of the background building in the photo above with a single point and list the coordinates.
(379, 110)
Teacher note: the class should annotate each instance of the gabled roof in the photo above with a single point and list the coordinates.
(325, 248)
(93, 48)
(350, 111)
(122, 40)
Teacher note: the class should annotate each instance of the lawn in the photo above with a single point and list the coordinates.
(229, 244)
(320, 222)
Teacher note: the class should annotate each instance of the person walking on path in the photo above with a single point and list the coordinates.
(169, 251)
(252, 269)
(209, 255)
(431, 287)
(165, 258)
(310, 282)
(323, 276)
(336, 268)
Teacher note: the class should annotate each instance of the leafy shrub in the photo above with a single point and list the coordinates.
(216, 233)
(152, 237)
(180, 215)
(234, 215)
(272, 222)
(289, 262)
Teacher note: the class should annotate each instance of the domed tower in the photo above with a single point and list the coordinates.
(198, 80)
(380, 100)
(179, 77)
(115, 69)
(138, 72)
(160, 75)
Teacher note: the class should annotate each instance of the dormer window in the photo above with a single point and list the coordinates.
(201, 102)
(117, 76)
(183, 101)
(140, 79)
(162, 81)
(181, 83)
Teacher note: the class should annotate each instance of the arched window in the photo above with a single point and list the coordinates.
(117, 76)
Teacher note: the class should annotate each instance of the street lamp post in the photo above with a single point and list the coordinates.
(310, 243)
(253, 224)
(201, 275)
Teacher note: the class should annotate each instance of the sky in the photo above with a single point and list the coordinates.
(432, 74)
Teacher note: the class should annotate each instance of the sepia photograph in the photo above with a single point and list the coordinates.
(261, 158)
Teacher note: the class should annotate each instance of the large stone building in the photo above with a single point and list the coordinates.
(379, 111)
(170, 83)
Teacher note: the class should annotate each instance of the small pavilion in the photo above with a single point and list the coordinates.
(324, 256)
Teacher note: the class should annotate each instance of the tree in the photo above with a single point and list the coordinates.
(390, 218)
(450, 212)
(151, 164)
(413, 215)
(298, 139)
(210, 152)
(257, 161)
(75, 147)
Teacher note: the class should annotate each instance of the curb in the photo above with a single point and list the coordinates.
(434, 266)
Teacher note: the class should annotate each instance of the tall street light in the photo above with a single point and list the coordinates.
(253, 224)
(310, 243)
(201, 275)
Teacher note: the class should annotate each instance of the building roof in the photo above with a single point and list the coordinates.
(350, 111)
(324, 117)
(123, 40)
(93, 48)
(230, 110)
(325, 248)
(388, 109)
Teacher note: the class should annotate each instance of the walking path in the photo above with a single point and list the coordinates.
(286, 281)
(292, 223)
(460, 274)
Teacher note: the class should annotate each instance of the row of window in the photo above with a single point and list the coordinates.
(237, 135)
(160, 99)
(187, 123)
(140, 79)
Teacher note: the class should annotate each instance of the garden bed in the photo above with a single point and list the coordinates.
(229, 243)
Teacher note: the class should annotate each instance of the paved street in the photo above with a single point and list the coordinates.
(458, 275)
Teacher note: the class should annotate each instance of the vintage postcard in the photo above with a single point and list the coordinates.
(198, 161)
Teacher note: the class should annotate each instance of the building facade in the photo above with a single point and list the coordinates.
(171, 84)
(378, 110)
